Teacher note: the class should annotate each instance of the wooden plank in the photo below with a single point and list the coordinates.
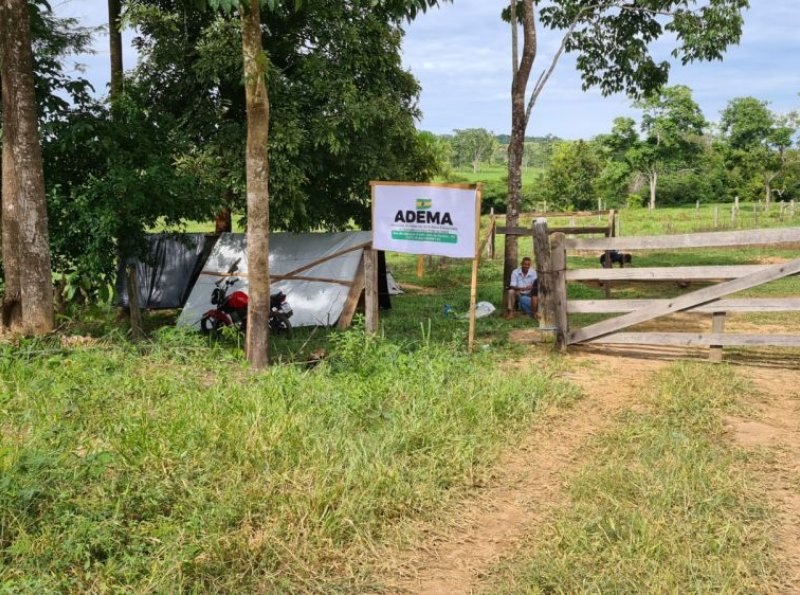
(562, 214)
(698, 273)
(310, 279)
(558, 259)
(314, 263)
(514, 231)
(752, 237)
(473, 290)
(420, 267)
(544, 271)
(717, 327)
(489, 235)
(371, 290)
(434, 184)
(526, 231)
(731, 305)
(684, 302)
(699, 339)
(354, 295)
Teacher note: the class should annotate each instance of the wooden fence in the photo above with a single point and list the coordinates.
(551, 261)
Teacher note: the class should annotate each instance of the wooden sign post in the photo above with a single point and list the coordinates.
(428, 219)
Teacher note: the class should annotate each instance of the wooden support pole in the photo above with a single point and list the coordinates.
(717, 327)
(371, 315)
(492, 235)
(420, 266)
(544, 271)
(716, 217)
(558, 256)
(353, 296)
(473, 290)
(137, 330)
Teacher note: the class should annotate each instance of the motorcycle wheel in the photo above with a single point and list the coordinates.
(209, 326)
(280, 325)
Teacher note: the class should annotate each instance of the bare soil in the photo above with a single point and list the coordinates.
(528, 482)
(524, 488)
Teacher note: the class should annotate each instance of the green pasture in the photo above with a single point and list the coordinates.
(167, 466)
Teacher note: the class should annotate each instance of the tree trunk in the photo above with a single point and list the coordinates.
(767, 192)
(653, 183)
(23, 165)
(222, 222)
(257, 162)
(11, 319)
(516, 145)
(115, 41)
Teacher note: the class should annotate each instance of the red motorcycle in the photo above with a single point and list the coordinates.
(231, 310)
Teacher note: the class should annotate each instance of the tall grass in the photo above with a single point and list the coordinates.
(666, 505)
(172, 468)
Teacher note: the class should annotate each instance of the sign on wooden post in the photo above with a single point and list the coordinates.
(429, 219)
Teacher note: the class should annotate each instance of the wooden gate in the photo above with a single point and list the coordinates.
(556, 307)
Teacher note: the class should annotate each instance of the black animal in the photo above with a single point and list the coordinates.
(612, 257)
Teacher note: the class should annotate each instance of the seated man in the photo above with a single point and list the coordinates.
(524, 288)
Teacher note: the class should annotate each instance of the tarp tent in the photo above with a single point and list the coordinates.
(315, 270)
(166, 278)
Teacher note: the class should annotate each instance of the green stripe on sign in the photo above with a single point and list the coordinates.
(425, 236)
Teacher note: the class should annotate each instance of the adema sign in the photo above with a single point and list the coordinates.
(425, 219)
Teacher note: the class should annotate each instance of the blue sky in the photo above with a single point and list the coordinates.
(460, 53)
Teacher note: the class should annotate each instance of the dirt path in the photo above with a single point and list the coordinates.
(774, 429)
(526, 484)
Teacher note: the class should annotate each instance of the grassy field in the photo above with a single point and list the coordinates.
(169, 466)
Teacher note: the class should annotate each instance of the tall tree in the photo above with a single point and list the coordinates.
(673, 126)
(473, 146)
(759, 141)
(570, 181)
(115, 46)
(257, 160)
(28, 304)
(611, 38)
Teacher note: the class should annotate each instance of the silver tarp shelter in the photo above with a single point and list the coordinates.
(316, 293)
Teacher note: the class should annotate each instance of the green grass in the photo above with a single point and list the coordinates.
(665, 506)
(169, 467)
(495, 173)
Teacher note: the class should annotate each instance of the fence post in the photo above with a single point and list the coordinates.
(716, 217)
(558, 259)
(717, 326)
(493, 234)
(544, 271)
(371, 290)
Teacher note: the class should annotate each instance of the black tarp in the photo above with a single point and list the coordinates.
(170, 271)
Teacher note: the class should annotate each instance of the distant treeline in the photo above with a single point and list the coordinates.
(673, 155)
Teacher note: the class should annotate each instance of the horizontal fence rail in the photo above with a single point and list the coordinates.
(700, 339)
(714, 239)
(732, 305)
(699, 273)
(552, 246)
